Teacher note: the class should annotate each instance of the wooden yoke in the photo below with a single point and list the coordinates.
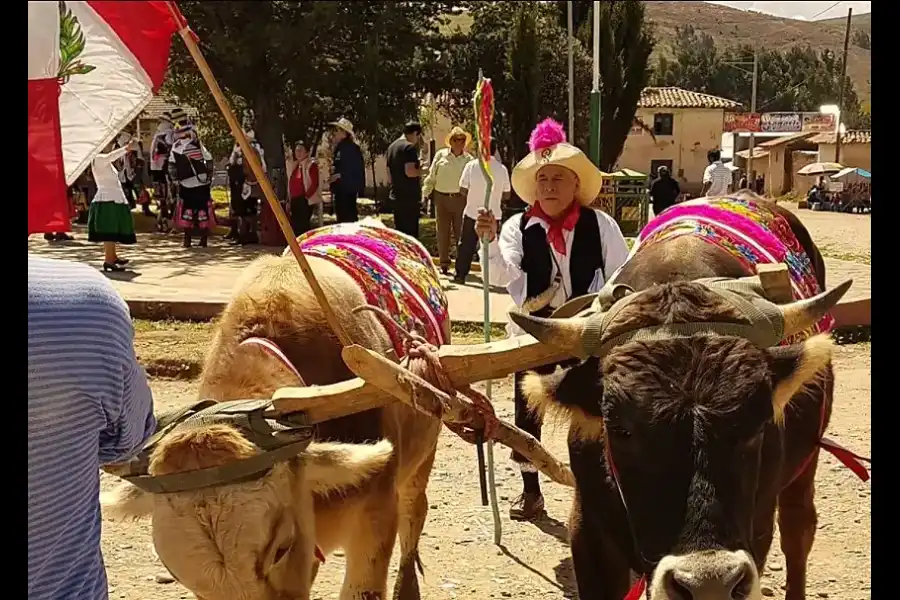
(462, 364)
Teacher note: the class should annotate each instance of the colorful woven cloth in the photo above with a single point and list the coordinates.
(750, 232)
(393, 270)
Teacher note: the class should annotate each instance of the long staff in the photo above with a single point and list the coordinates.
(484, 115)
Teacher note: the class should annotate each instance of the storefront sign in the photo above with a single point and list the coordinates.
(781, 122)
(818, 122)
(741, 123)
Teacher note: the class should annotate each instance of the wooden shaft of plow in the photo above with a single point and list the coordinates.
(255, 166)
(462, 364)
(427, 399)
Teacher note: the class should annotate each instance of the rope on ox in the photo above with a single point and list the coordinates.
(423, 384)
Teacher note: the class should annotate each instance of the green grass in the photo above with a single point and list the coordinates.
(831, 252)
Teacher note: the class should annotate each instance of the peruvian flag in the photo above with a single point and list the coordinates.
(92, 68)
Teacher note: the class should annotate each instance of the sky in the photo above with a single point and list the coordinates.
(803, 10)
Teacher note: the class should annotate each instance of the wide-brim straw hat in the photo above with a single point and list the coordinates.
(590, 178)
(458, 131)
(343, 124)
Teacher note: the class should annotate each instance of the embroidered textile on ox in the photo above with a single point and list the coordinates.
(393, 270)
(750, 232)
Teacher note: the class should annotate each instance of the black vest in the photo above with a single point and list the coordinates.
(586, 257)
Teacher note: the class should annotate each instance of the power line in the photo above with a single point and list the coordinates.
(816, 16)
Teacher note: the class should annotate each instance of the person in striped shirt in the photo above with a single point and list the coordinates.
(716, 177)
(89, 404)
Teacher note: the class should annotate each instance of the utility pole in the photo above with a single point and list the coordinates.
(840, 115)
(751, 175)
(571, 74)
(595, 91)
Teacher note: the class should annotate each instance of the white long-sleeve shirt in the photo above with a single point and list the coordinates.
(106, 176)
(505, 256)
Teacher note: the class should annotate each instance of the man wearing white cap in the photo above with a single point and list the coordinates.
(559, 249)
(348, 172)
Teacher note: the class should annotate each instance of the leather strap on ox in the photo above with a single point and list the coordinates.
(279, 439)
(765, 326)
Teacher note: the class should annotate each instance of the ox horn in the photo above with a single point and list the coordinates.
(803, 314)
(564, 334)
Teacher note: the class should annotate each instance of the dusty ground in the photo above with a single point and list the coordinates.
(462, 562)
(457, 549)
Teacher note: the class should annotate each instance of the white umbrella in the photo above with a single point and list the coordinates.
(821, 168)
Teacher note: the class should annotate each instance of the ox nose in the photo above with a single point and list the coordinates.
(718, 575)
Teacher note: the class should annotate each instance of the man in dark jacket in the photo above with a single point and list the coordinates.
(348, 172)
(664, 191)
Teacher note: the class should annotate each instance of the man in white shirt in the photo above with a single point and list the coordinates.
(716, 177)
(473, 186)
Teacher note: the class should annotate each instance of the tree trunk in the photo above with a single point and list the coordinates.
(269, 130)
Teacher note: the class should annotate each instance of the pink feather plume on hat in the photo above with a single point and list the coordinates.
(547, 133)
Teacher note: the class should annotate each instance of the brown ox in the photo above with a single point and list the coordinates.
(256, 540)
(683, 445)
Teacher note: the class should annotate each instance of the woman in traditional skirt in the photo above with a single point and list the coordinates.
(109, 218)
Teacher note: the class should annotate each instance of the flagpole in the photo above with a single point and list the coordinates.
(250, 156)
(595, 91)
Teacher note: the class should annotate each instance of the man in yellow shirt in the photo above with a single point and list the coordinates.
(443, 182)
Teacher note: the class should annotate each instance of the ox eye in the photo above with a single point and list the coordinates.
(618, 431)
(281, 553)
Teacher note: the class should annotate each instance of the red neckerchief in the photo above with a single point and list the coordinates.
(557, 227)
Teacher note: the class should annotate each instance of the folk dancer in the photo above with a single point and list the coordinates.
(191, 167)
(109, 217)
(160, 146)
(559, 249)
(251, 192)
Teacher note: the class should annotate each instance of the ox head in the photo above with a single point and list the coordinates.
(251, 540)
(679, 382)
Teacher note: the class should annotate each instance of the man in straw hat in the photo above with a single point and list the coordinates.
(443, 181)
(559, 249)
(348, 172)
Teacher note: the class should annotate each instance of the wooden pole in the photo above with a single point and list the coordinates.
(255, 166)
(840, 115)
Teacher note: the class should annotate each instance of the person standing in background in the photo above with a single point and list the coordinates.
(348, 172)
(404, 174)
(664, 191)
(473, 186)
(88, 405)
(443, 181)
(716, 177)
(303, 188)
(160, 146)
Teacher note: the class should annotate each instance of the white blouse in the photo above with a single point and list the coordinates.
(106, 176)
(505, 255)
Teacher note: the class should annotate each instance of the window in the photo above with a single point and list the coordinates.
(656, 164)
(663, 123)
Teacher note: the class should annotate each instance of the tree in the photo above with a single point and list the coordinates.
(299, 65)
(796, 79)
(862, 39)
(523, 48)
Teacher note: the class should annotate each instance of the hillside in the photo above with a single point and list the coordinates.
(731, 26)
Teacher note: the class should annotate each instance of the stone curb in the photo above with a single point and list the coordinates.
(847, 314)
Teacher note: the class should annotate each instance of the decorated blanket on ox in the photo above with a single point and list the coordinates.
(750, 232)
(393, 270)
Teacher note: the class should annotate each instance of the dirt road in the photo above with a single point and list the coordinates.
(457, 549)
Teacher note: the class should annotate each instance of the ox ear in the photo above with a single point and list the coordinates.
(332, 467)
(795, 367)
(571, 394)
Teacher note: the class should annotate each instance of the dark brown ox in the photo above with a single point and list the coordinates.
(683, 446)
(255, 540)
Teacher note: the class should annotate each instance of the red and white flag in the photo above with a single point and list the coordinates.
(92, 68)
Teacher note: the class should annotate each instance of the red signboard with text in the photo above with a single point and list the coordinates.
(741, 122)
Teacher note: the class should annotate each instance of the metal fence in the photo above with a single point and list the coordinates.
(624, 197)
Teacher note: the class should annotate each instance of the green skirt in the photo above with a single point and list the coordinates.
(110, 222)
